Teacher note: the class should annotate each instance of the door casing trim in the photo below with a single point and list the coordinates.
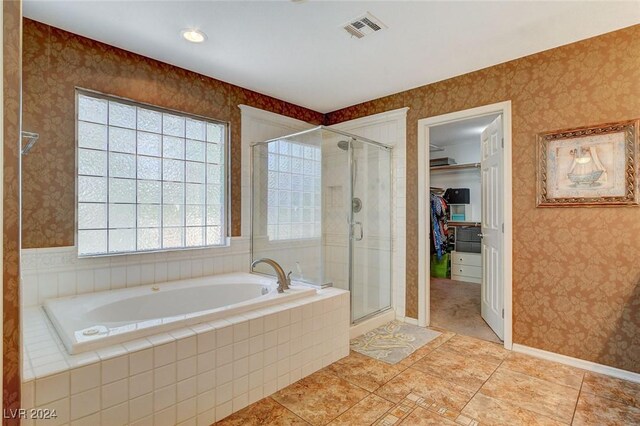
(424, 124)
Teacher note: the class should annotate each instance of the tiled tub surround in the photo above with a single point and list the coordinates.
(56, 272)
(192, 375)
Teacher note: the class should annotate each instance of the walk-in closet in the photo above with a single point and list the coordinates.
(455, 227)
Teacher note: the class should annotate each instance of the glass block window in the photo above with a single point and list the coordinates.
(294, 201)
(148, 179)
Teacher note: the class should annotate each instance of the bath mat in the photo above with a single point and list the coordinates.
(393, 342)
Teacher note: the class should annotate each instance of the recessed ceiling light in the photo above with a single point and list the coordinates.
(193, 35)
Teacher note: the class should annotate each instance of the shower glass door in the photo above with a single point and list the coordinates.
(321, 208)
(370, 237)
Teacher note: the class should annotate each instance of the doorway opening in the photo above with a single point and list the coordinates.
(465, 222)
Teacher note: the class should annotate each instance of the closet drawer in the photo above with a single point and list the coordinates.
(467, 271)
(455, 277)
(465, 259)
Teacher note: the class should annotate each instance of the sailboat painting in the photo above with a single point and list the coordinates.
(589, 166)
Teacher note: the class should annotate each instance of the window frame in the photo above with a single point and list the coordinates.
(226, 175)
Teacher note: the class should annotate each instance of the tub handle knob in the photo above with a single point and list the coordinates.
(289, 278)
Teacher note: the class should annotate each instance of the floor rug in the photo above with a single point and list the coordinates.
(393, 342)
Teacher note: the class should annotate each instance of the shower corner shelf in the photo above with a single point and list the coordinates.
(452, 167)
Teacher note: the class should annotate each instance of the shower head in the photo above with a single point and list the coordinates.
(344, 145)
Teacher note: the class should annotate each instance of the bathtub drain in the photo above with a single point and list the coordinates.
(91, 332)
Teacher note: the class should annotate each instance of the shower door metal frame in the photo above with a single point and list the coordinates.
(352, 239)
(332, 130)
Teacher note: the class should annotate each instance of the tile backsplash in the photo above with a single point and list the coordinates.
(56, 272)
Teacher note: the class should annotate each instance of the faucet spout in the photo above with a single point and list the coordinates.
(283, 279)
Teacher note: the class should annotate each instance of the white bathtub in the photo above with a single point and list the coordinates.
(91, 321)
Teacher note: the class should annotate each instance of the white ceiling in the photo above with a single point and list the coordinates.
(298, 52)
(461, 131)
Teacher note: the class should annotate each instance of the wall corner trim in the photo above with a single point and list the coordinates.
(578, 363)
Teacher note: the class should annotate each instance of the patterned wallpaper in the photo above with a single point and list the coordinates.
(12, 13)
(576, 275)
(57, 62)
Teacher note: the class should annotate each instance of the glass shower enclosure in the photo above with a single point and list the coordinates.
(321, 207)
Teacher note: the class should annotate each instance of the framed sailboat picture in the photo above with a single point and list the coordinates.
(589, 166)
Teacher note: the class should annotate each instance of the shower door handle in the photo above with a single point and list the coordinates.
(353, 232)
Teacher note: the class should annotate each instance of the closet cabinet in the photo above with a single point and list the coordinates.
(466, 267)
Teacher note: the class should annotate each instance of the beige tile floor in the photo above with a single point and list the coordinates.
(452, 380)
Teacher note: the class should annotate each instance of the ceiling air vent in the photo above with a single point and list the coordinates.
(364, 25)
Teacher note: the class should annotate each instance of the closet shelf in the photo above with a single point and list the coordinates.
(466, 223)
(468, 166)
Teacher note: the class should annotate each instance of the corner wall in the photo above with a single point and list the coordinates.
(576, 278)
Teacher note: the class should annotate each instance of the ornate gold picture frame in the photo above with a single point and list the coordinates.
(589, 166)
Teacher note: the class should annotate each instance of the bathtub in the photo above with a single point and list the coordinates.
(92, 321)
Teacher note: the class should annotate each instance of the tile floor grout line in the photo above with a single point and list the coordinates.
(575, 408)
(410, 366)
(350, 407)
(376, 419)
(617, 401)
(291, 411)
(404, 368)
(502, 361)
(354, 384)
(483, 383)
(530, 409)
(385, 413)
(426, 354)
(395, 405)
(380, 396)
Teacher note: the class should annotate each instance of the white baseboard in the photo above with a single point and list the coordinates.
(368, 325)
(579, 363)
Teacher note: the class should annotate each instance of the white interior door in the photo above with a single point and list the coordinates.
(492, 303)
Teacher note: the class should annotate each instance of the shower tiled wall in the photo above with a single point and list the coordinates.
(335, 226)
